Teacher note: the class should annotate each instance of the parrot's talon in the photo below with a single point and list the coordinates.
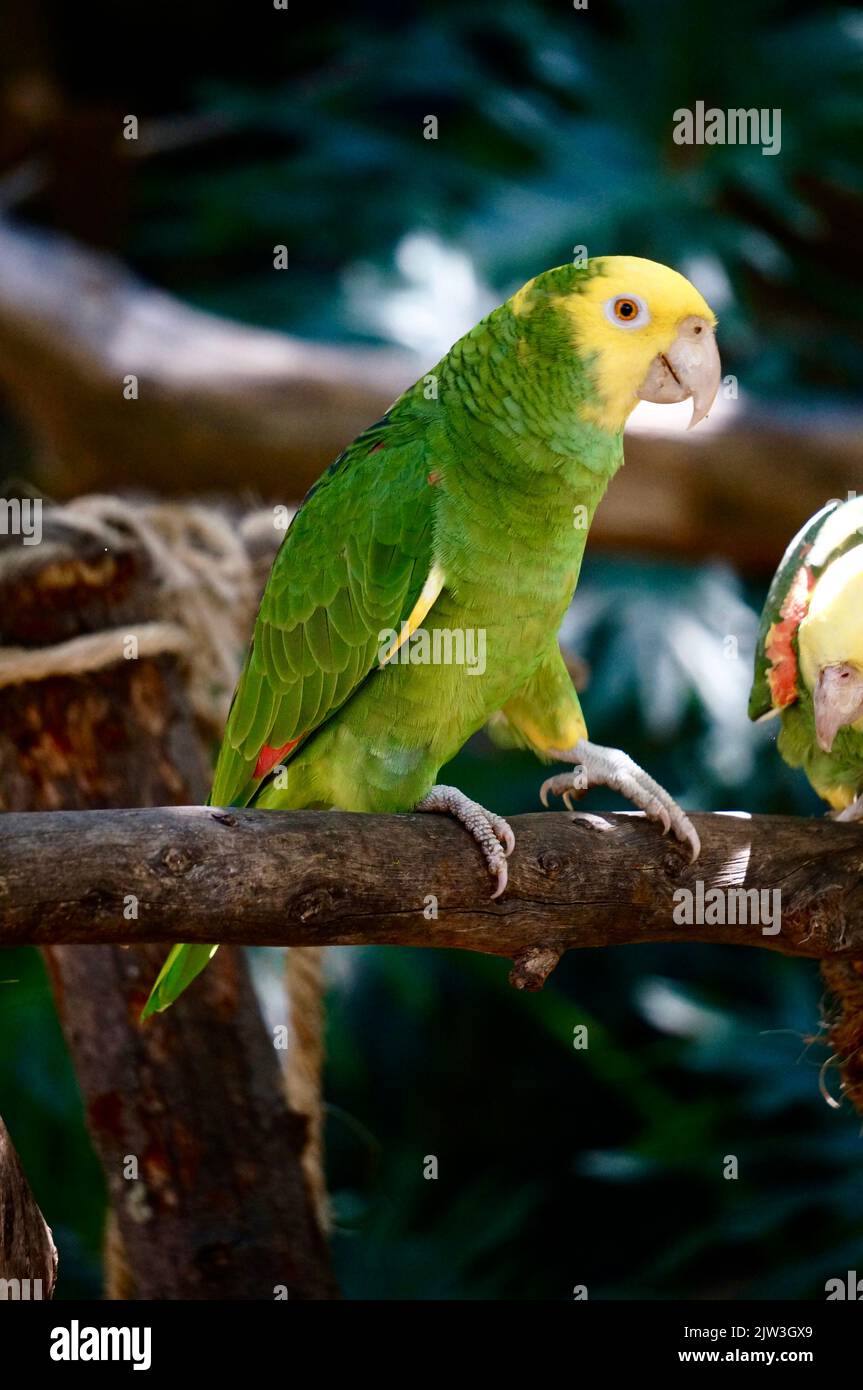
(492, 833)
(503, 831)
(854, 812)
(609, 767)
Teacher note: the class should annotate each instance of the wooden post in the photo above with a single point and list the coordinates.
(201, 1154)
(28, 1258)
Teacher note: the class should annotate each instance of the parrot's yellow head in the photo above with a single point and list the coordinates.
(830, 646)
(642, 331)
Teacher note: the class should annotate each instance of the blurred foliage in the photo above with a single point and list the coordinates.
(555, 130)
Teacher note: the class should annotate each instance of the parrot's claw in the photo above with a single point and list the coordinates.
(492, 833)
(852, 812)
(609, 767)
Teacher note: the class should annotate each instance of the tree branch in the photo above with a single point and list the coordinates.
(322, 878)
(234, 402)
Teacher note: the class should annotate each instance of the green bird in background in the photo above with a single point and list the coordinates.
(455, 525)
(809, 656)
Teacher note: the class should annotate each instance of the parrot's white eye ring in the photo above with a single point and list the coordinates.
(627, 311)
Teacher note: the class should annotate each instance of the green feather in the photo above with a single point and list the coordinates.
(183, 965)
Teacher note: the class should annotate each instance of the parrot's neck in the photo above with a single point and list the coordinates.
(525, 469)
(526, 410)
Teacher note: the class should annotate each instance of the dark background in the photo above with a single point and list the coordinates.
(558, 1167)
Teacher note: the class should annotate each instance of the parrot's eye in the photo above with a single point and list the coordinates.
(627, 311)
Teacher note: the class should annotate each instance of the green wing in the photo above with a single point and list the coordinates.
(352, 564)
(826, 536)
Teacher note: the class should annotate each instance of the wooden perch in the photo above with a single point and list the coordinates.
(223, 405)
(322, 878)
(27, 1253)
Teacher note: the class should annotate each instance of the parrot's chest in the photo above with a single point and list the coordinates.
(520, 604)
(480, 643)
(503, 599)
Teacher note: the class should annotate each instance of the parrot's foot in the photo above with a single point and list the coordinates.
(852, 812)
(609, 767)
(492, 833)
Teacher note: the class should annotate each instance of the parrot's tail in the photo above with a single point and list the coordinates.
(304, 984)
(182, 966)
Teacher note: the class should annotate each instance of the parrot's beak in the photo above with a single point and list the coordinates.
(838, 701)
(690, 368)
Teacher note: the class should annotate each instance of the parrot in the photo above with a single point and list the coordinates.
(809, 656)
(463, 512)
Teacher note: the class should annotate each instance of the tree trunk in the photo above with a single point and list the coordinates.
(28, 1258)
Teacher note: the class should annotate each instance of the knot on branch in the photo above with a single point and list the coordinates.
(532, 966)
(315, 902)
(173, 860)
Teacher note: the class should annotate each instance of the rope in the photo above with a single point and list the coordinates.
(205, 589)
(303, 1066)
(82, 654)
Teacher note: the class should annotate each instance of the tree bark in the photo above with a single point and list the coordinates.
(308, 878)
(199, 1148)
(27, 1252)
(844, 1024)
